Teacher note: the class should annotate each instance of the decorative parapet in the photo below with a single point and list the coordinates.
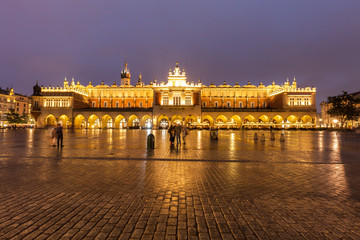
(69, 89)
(293, 90)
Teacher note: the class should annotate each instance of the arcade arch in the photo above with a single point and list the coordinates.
(146, 122)
(50, 120)
(176, 119)
(277, 119)
(264, 119)
(249, 119)
(163, 122)
(221, 119)
(208, 119)
(106, 122)
(134, 122)
(94, 121)
(190, 119)
(292, 119)
(236, 119)
(80, 121)
(120, 122)
(64, 121)
(306, 119)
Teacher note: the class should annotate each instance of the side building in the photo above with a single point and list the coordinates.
(331, 122)
(178, 100)
(13, 102)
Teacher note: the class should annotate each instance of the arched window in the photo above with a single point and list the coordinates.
(241, 104)
(228, 104)
(216, 104)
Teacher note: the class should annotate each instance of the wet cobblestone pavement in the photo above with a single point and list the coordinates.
(107, 185)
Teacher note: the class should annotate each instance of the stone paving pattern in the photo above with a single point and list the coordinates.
(306, 188)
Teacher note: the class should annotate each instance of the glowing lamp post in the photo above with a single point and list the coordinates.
(335, 121)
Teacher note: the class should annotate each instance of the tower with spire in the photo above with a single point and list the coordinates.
(125, 75)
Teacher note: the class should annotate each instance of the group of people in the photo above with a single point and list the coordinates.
(57, 134)
(175, 132)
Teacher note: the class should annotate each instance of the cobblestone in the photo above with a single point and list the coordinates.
(307, 189)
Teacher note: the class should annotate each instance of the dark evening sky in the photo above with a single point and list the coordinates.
(253, 40)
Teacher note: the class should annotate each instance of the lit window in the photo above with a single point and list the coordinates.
(291, 101)
(307, 101)
(298, 101)
(176, 100)
(188, 100)
(165, 100)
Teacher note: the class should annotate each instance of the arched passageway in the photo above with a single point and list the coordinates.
(134, 122)
(64, 121)
(94, 122)
(80, 121)
(106, 122)
(146, 122)
(120, 122)
(50, 121)
(176, 119)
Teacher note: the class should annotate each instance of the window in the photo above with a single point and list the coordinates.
(252, 104)
(216, 104)
(129, 104)
(117, 104)
(298, 101)
(264, 104)
(93, 104)
(187, 100)
(291, 101)
(241, 104)
(176, 99)
(105, 104)
(204, 104)
(141, 104)
(17, 104)
(307, 101)
(165, 100)
(228, 104)
(36, 104)
(17, 109)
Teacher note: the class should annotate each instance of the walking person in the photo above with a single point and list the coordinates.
(184, 133)
(59, 135)
(171, 131)
(53, 136)
(178, 134)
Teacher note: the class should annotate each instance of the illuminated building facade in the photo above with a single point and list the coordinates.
(13, 102)
(331, 122)
(159, 104)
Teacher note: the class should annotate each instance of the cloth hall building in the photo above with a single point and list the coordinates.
(178, 100)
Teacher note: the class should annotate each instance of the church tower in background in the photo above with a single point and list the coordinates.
(125, 75)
